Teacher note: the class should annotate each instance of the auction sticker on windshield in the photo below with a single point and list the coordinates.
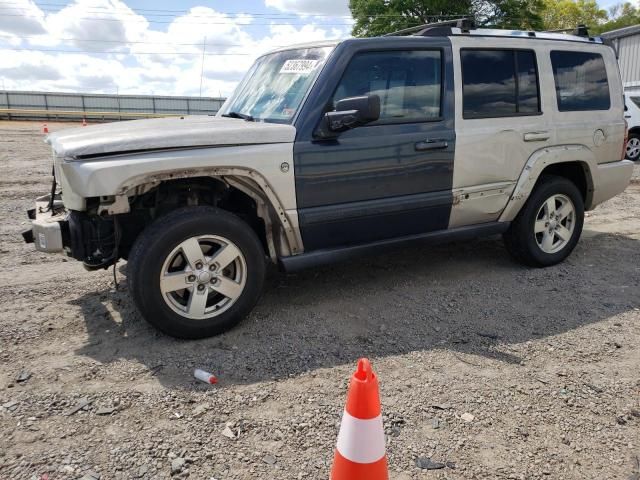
(300, 65)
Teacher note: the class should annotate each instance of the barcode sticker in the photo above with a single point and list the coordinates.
(299, 65)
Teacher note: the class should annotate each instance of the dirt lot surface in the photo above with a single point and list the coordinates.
(546, 362)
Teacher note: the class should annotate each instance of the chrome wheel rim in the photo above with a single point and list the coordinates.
(203, 277)
(633, 148)
(555, 223)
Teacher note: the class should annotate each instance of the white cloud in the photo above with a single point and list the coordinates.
(21, 17)
(116, 49)
(311, 7)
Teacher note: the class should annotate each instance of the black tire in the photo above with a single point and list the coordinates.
(156, 244)
(635, 157)
(520, 239)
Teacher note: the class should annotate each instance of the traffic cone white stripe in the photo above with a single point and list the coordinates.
(361, 441)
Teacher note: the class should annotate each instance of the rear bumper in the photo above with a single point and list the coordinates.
(49, 230)
(611, 179)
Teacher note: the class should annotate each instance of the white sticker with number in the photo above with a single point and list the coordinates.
(300, 65)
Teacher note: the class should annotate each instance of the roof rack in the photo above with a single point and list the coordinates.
(580, 31)
(466, 26)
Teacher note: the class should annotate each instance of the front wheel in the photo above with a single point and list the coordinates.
(549, 225)
(196, 272)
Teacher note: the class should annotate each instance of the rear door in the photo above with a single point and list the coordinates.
(500, 122)
(390, 178)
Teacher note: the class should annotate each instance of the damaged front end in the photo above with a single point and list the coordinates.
(91, 239)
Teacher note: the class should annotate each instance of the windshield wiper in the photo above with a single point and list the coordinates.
(243, 116)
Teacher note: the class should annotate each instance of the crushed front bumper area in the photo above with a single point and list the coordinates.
(49, 225)
(92, 239)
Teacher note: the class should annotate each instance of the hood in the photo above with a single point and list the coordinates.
(164, 133)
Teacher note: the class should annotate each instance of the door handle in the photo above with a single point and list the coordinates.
(536, 136)
(431, 145)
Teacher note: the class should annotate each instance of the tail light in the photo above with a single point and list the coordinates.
(626, 139)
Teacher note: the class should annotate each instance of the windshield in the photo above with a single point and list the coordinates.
(276, 84)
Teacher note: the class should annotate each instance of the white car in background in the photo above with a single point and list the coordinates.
(632, 115)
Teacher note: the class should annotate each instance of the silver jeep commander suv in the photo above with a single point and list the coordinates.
(335, 149)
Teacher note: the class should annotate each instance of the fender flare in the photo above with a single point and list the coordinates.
(283, 241)
(536, 164)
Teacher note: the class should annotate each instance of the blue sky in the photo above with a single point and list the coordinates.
(154, 46)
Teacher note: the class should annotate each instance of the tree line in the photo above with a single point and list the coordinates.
(377, 17)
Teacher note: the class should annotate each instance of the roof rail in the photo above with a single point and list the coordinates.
(464, 23)
(466, 26)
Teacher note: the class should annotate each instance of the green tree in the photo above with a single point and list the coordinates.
(377, 17)
(568, 14)
(621, 15)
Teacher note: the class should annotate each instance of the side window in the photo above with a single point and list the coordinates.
(581, 81)
(407, 82)
(499, 83)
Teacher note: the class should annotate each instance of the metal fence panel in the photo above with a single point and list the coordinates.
(73, 106)
(62, 102)
(629, 59)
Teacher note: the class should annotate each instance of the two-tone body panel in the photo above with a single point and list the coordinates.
(389, 178)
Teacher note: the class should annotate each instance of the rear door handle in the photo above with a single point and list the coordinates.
(431, 145)
(536, 136)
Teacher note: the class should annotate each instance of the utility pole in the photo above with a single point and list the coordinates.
(204, 47)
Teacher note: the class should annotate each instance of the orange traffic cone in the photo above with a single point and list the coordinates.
(45, 129)
(84, 122)
(360, 452)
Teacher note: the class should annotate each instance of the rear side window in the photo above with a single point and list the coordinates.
(499, 83)
(409, 83)
(581, 81)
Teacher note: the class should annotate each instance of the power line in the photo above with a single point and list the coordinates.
(125, 42)
(229, 22)
(268, 14)
(121, 53)
(277, 16)
(122, 11)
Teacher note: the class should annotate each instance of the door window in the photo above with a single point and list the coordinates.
(499, 83)
(581, 81)
(409, 83)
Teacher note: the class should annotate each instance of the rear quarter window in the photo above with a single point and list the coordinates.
(499, 83)
(581, 81)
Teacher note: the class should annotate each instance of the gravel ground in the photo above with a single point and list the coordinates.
(504, 371)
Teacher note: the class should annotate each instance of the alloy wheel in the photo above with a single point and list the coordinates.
(555, 223)
(203, 277)
(633, 148)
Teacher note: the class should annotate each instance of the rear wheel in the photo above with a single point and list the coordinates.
(549, 226)
(196, 272)
(633, 147)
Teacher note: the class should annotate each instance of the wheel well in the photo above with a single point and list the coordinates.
(635, 130)
(576, 172)
(172, 194)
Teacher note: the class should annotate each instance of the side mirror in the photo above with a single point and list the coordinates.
(352, 112)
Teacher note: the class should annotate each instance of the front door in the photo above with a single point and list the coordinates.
(390, 178)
